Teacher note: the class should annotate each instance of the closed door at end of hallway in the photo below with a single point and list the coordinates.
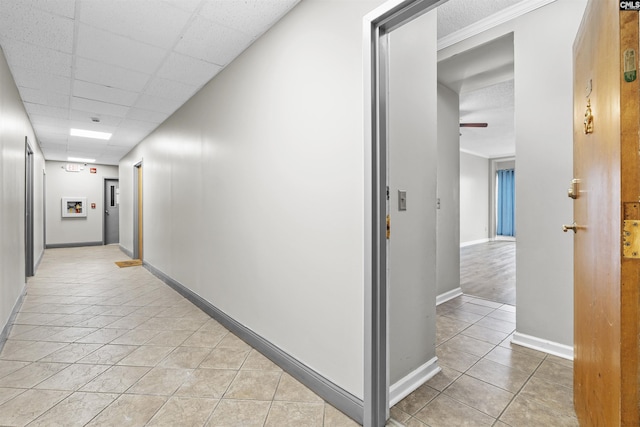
(111, 208)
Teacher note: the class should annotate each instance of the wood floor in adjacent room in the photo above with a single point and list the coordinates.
(488, 271)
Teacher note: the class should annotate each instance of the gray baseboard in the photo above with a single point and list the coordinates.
(127, 252)
(7, 327)
(332, 393)
(72, 245)
(35, 267)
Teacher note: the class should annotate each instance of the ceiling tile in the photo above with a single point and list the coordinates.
(128, 139)
(146, 115)
(110, 75)
(212, 42)
(86, 153)
(161, 105)
(42, 80)
(115, 151)
(45, 110)
(58, 134)
(52, 146)
(85, 144)
(186, 5)
(128, 125)
(65, 8)
(134, 63)
(87, 90)
(52, 122)
(85, 117)
(114, 49)
(38, 96)
(50, 137)
(98, 127)
(21, 22)
(26, 56)
(97, 107)
(185, 69)
(169, 89)
(255, 15)
(158, 24)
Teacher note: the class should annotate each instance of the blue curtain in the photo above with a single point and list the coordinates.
(506, 203)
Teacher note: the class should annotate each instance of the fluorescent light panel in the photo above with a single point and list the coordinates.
(80, 160)
(90, 134)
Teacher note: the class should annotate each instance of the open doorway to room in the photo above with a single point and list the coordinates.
(483, 77)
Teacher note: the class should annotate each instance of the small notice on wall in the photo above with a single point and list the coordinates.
(93, 170)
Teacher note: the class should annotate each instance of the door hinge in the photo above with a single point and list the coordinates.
(631, 239)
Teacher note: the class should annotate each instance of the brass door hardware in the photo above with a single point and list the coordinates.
(631, 239)
(573, 190)
(573, 227)
(388, 226)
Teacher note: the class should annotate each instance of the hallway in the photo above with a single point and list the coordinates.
(98, 345)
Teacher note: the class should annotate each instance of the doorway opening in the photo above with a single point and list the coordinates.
(484, 79)
(28, 209)
(111, 228)
(137, 212)
(378, 25)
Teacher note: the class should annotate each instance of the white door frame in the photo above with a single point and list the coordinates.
(377, 25)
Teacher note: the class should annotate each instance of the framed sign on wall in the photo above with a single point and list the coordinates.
(74, 207)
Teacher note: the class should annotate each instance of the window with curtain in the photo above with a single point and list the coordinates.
(506, 225)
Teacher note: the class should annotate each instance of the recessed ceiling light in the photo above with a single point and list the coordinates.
(80, 160)
(90, 134)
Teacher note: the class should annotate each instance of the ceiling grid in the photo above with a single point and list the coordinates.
(131, 64)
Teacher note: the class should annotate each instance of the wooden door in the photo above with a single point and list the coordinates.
(606, 279)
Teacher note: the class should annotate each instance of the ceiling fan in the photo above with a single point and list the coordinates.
(474, 125)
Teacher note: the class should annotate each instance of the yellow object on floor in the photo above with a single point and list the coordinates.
(129, 263)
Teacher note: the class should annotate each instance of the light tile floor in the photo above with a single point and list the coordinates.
(486, 380)
(97, 345)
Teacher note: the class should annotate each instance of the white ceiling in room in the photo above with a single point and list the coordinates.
(492, 105)
(483, 76)
(130, 64)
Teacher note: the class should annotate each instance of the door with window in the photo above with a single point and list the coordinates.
(111, 211)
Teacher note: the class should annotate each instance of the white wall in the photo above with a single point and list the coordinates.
(253, 191)
(448, 231)
(14, 126)
(474, 198)
(544, 267)
(60, 183)
(413, 155)
(544, 146)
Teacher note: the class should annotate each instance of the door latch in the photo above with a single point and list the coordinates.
(573, 227)
(573, 190)
(388, 226)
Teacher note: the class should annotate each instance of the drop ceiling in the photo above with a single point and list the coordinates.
(123, 66)
(120, 66)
